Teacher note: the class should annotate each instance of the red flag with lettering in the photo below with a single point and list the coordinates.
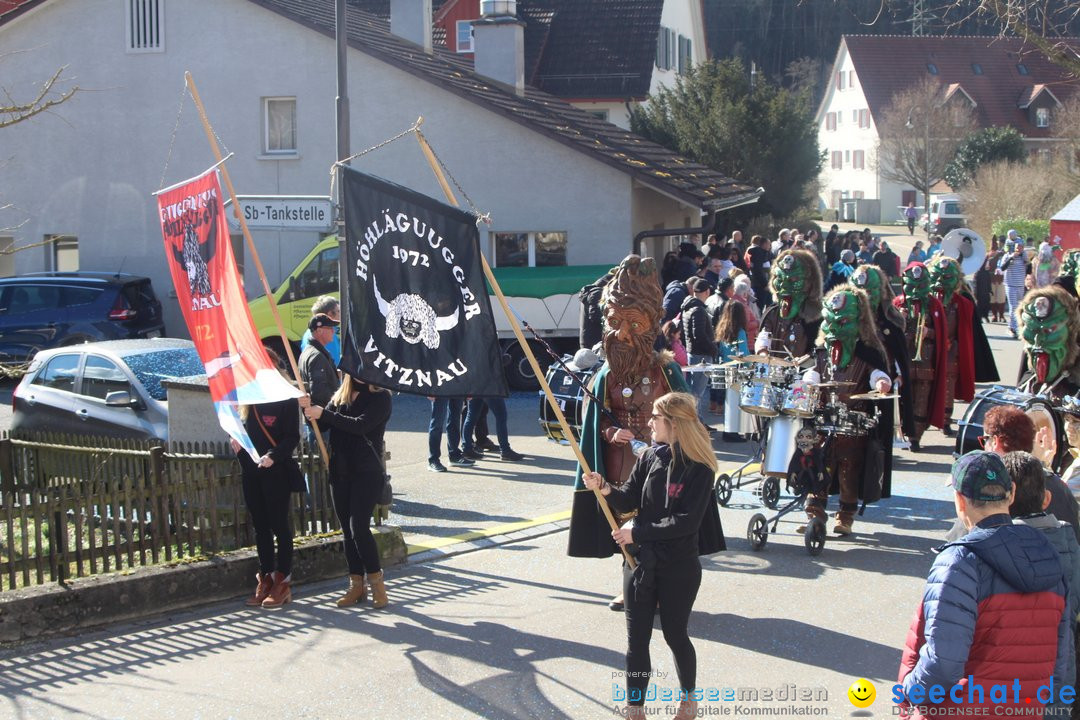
(211, 296)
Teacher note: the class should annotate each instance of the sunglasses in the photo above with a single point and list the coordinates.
(983, 439)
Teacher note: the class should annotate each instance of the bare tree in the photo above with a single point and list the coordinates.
(1042, 24)
(919, 132)
(49, 95)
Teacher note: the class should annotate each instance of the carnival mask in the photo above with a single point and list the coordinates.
(945, 277)
(840, 323)
(788, 283)
(1070, 263)
(916, 283)
(1045, 336)
(869, 279)
(806, 439)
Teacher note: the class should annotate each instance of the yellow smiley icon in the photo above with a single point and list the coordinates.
(861, 693)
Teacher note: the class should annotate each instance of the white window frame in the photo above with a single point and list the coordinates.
(1042, 117)
(281, 152)
(144, 26)
(467, 47)
(530, 244)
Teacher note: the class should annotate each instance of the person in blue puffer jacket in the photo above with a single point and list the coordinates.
(993, 612)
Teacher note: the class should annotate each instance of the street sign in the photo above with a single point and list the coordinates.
(284, 212)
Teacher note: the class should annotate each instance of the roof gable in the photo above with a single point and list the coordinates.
(993, 72)
(592, 49)
(646, 162)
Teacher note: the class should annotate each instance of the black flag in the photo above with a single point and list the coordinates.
(419, 317)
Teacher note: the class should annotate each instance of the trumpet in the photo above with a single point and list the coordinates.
(920, 332)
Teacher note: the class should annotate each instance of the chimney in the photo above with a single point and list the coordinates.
(411, 20)
(499, 44)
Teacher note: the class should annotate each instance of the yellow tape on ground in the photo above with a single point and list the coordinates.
(488, 532)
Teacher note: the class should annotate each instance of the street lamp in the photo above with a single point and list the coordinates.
(910, 125)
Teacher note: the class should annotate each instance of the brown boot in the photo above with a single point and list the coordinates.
(844, 521)
(378, 590)
(266, 583)
(356, 593)
(687, 710)
(281, 593)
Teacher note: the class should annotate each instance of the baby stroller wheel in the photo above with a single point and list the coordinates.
(723, 489)
(770, 493)
(814, 536)
(757, 532)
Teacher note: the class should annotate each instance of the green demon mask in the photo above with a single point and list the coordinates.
(789, 285)
(916, 283)
(945, 277)
(1045, 322)
(840, 324)
(1070, 263)
(869, 279)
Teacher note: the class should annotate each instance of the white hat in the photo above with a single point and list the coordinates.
(584, 359)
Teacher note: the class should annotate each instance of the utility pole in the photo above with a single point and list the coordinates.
(341, 104)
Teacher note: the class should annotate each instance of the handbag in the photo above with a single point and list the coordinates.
(297, 481)
(386, 494)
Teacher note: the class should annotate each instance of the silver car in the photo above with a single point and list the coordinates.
(111, 388)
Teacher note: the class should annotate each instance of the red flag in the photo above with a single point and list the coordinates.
(211, 296)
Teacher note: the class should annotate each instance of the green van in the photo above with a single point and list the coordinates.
(546, 297)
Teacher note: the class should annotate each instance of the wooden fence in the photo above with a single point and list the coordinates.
(73, 506)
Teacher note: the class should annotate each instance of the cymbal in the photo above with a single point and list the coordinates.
(760, 360)
(836, 384)
(873, 395)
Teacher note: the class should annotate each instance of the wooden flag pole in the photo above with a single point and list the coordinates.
(430, 155)
(254, 254)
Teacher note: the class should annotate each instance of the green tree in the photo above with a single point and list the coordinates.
(984, 146)
(762, 135)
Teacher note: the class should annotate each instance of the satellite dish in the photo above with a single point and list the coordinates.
(966, 247)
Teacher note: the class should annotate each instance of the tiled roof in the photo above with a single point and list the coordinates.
(597, 48)
(647, 162)
(14, 7)
(580, 49)
(1070, 212)
(887, 64)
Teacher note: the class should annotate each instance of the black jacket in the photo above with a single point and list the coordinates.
(318, 372)
(674, 294)
(698, 332)
(677, 516)
(282, 423)
(352, 428)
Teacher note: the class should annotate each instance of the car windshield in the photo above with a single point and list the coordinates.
(152, 367)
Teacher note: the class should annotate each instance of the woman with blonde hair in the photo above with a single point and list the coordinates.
(671, 488)
(356, 416)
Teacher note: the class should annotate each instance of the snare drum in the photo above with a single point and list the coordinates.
(760, 397)
(857, 424)
(800, 400)
(570, 397)
(780, 446)
(831, 417)
(1037, 407)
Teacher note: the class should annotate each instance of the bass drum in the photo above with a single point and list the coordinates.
(1038, 408)
(570, 397)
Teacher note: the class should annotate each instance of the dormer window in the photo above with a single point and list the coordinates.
(1042, 117)
(1021, 68)
(931, 68)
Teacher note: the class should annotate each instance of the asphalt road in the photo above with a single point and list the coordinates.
(515, 629)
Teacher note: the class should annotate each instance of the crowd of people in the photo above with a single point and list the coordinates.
(1002, 599)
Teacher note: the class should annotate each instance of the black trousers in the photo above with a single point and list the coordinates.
(267, 498)
(675, 589)
(354, 501)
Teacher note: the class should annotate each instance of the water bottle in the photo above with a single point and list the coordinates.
(638, 447)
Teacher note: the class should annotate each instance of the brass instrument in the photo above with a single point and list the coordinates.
(920, 331)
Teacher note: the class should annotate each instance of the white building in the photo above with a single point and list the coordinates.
(1006, 83)
(265, 70)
